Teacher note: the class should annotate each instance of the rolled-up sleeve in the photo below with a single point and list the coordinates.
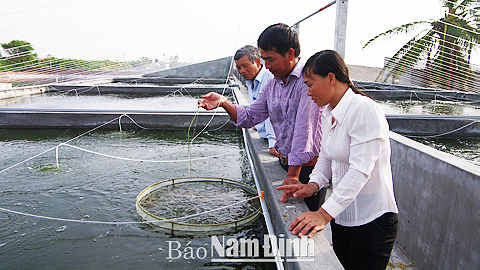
(256, 113)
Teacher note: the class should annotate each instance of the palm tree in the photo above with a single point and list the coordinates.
(444, 47)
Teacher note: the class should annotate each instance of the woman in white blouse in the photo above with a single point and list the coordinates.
(355, 154)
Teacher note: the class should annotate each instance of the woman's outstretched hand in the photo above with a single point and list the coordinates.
(297, 190)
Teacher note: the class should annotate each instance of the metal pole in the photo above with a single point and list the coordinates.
(296, 26)
(333, 2)
(341, 27)
(266, 215)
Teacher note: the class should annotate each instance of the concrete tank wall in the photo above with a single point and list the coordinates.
(445, 126)
(212, 69)
(37, 118)
(438, 197)
(20, 92)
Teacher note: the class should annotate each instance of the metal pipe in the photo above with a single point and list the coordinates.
(266, 214)
(333, 2)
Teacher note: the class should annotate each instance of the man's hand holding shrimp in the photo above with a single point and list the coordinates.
(211, 101)
(214, 100)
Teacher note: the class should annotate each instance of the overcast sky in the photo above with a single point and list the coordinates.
(200, 30)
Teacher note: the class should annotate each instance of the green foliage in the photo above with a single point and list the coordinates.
(18, 53)
(63, 63)
(445, 46)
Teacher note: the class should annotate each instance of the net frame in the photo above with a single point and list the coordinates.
(178, 227)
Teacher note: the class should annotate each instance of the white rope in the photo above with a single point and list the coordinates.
(30, 158)
(62, 93)
(119, 118)
(446, 133)
(97, 153)
(126, 115)
(76, 92)
(120, 222)
(211, 118)
(34, 8)
(110, 156)
(53, 148)
(19, 98)
(223, 92)
(220, 127)
(418, 74)
(132, 159)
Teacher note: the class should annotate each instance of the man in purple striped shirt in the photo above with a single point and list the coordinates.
(294, 116)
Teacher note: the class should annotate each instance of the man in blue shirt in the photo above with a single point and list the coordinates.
(248, 63)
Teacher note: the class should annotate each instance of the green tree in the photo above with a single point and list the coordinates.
(18, 53)
(445, 46)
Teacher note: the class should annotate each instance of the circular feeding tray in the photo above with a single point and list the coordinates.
(199, 205)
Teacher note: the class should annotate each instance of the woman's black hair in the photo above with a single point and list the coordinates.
(328, 61)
